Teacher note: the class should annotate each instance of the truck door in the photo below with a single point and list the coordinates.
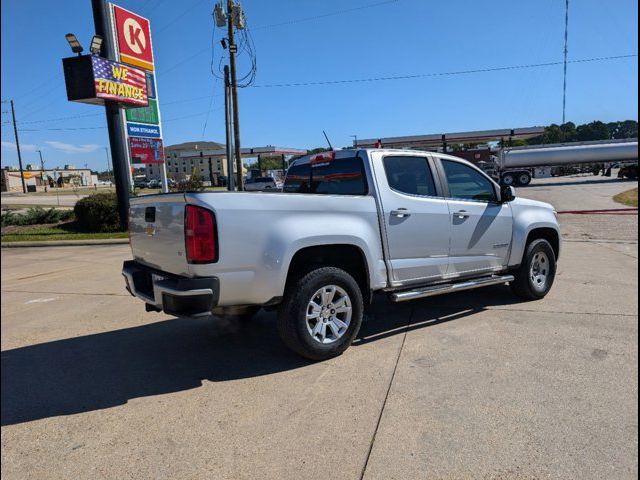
(416, 217)
(481, 228)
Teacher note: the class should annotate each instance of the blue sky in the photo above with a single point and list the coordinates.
(381, 39)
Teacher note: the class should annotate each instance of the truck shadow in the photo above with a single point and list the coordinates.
(92, 372)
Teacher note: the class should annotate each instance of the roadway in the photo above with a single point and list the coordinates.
(475, 385)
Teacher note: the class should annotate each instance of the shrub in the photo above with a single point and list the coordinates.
(98, 213)
(8, 218)
(194, 184)
(36, 216)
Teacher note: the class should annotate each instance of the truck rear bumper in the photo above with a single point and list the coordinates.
(175, 295)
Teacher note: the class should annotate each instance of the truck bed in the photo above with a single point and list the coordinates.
(258, 233)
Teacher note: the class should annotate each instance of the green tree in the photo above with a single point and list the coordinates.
(271, 163)
(193, 184)
(625, 129)
(593, 131)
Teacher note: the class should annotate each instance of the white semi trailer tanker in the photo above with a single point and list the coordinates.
(514, 165)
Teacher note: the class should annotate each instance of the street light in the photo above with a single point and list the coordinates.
(355, 140)
(74, 43)
(96, 45)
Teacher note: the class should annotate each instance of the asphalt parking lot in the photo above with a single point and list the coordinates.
(474, 385)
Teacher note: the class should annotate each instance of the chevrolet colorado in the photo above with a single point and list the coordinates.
(347, 224)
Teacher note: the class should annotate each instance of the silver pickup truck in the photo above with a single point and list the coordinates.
(347, 224)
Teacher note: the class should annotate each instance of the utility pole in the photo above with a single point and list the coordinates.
(114, 120)
(106, 151)
(233, 49)
(15, 131)
(566, 55)
(42, 170)
(227, 118)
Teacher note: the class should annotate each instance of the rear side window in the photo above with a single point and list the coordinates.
(298, 179)
(410, 175)
(467, 183)
(344, 176)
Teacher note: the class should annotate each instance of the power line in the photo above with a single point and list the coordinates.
(263, 27)
(184, 100)
(325, 15)
(59, 119)
(178, 17)
(336, 82)
(442, 74)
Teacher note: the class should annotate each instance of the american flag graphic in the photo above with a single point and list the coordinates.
(118, 82)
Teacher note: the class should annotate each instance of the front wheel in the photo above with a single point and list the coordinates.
(321, 313)
(535, 276)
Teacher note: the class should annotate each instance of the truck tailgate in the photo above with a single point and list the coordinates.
(156, 231)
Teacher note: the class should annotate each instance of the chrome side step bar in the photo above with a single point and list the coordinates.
(449, 288)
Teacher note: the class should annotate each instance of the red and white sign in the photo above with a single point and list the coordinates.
(146, 150)
(134, 38)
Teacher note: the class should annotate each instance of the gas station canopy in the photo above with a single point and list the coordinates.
(247, 152)
(429, 141)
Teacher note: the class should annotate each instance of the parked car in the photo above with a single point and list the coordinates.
(260, 184)
(153, 183)
(140, 184)
(350, 223)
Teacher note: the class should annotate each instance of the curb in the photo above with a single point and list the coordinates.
(66, 243)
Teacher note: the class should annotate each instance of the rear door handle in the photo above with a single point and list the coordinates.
(401, 213)
(461, 214)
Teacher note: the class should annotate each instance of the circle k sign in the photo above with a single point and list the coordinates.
(134, 38)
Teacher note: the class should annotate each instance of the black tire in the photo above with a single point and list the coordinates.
(524, 179)
(524, 286)
(508, 179)
(292, 322)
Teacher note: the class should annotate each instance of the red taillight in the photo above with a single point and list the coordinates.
(200, 236)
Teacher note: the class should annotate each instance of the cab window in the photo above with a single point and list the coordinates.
(410, 175)
(344, 176)
(467, 183)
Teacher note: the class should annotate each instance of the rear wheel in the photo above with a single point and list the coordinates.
(524, 178)
(535, 276)
(321, 313)
(508, 179)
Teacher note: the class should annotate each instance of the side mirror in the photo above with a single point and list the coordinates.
(507, 194)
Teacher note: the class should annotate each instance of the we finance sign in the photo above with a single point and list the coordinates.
(118, 82)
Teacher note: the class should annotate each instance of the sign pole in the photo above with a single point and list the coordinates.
(114, 120)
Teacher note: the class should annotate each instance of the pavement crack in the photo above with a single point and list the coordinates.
(603, 245)
(386, 397)
(559, 312)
